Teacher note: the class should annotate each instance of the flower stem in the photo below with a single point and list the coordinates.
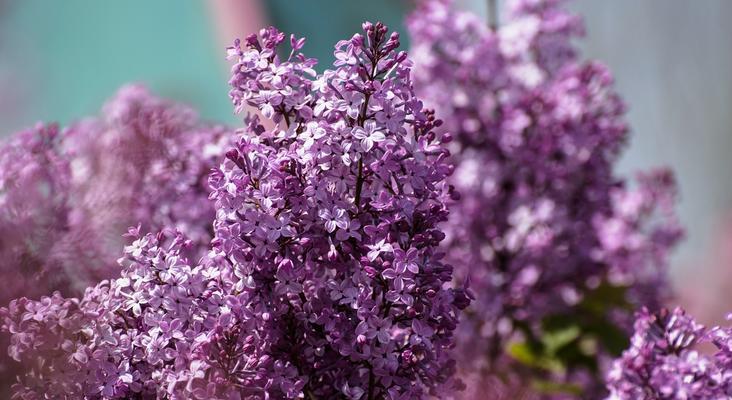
(371, 384)
(359, 184)
(493, 14)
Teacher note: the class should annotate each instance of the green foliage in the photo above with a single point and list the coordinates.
(569, 340)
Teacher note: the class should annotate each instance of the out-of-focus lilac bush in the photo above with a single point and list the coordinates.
(146, 160)
(130, 337)
(68, 195)
(557, 249)
(34, 194)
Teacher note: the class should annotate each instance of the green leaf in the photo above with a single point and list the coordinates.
(557, 339)
(523, 353)
(612, 338)
(605, 297)
(549, 387)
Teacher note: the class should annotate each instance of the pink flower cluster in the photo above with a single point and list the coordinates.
(310, 255)
(551, 241)
(127, 338)
(35, 187)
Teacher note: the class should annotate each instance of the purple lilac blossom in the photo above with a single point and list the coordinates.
(330, 218)
(324, 279)
(146, 161)
(35, 178)
(664, 362)
(542, 220)
(35, 182)
(150, 333)
(68, 195)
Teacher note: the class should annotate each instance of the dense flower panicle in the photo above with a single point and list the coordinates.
(537, 36)
(140, 336)
(329, 222)
(311, 255)
(68, 195)
(324, 279)
(542, 221)
(663, 361)
(636, 235)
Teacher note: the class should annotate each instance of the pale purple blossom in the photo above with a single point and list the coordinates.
(120, 341)
(369, 135)
(541, 222)
(68, 195)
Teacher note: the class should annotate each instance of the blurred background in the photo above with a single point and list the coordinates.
(672, 60)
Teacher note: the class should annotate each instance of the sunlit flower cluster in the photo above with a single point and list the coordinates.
(131, 337)
(329, 220)
(68, 195)
(449, 227)
(324, 277)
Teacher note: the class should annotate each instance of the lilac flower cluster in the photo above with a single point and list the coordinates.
(126, 338)
(324, 279)
(663, 361)
(35, 182)
(67, 196)
(329, 221)
(35, 178)
(310, 256)
(543, 230)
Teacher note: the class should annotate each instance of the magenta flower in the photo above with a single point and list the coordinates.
(68, 195)
(142, 335)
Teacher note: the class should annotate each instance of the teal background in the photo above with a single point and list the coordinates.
(60, 60)
(324, 22)
(68, 56)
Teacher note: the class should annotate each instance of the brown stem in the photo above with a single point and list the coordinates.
(371, 384)
(493, 14)
(359, 184)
